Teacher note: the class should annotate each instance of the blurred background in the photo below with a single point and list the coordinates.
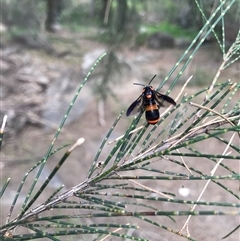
(48, 47)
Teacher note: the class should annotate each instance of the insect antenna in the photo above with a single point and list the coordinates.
(148, 83)
(139, 84)
(152, 79)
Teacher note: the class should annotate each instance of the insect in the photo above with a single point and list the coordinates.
(150, 101)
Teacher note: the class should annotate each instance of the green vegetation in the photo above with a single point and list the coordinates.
(130, 187)
(166, 27)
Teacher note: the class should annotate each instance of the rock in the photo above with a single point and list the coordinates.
(59, 96)
(160, 41)
(3, 28)
(182, 43)
(42, 80)
(90, 57)
(4, 66)
(23, 86)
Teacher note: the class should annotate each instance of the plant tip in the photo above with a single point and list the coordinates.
(80, 141)
(4, 123)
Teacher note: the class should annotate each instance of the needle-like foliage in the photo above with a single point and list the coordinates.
(121, 193)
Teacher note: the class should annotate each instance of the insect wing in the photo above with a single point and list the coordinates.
(163, 100)
(135, 107)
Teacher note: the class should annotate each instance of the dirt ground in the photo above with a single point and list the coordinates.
(22, 151)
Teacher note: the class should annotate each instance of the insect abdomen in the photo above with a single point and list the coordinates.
(152, 114)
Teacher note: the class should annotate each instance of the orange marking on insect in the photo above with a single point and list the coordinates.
(151, 107)
(153, 121)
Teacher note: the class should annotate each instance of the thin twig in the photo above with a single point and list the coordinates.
(3, 124)
(205, 187)
(107, 11)
(185, 163)
(211, 110)
(150, 189)
(116, 230)
(120, 137)
(226, 57)
(183, 88)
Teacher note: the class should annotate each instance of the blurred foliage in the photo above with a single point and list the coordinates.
(172, 29)
(78, 17)
(164, 27)
(24, 14)
(140, 18)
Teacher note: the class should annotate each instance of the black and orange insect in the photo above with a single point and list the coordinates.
(150, 101)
